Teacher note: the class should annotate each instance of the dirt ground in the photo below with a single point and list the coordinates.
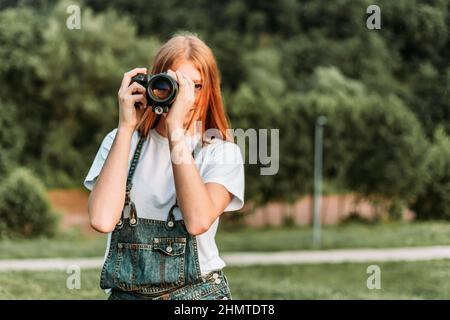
(72, 204)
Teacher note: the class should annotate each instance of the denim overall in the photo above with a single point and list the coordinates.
(156, 259)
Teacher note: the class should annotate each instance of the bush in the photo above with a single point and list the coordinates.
(395, 210)
(388, 156)
(434, 201)
(24, 207)
(355, 217)
(11, 138)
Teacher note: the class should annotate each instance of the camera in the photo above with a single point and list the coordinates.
(161, 90)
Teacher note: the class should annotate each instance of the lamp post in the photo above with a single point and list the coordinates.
(318, 154)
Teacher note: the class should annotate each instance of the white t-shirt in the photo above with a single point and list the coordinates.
(153, 190)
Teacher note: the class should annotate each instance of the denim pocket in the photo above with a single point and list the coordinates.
(140, 265)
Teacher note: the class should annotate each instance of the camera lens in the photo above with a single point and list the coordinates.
(161, 88)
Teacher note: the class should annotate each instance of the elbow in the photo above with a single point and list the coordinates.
(201, 223)
(99, 223)
(98, 218)
(101, 226)
(196, 229)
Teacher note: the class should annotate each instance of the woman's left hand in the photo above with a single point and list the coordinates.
(183, 103)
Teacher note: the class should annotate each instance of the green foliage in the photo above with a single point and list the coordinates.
(389, 150)
(283, 64)
(373, 144)
(24, 207)
(11, 138)
(256, 105)
(395, 210)
(65, 92)
(355, 218)
(434, 201)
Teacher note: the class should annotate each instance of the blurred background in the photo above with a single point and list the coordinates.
(386, 145)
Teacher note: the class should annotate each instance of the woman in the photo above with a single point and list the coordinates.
(161, 214)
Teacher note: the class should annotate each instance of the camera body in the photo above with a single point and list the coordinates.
(161, 90)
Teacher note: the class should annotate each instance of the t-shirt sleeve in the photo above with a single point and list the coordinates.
(99, 160)
(226, 167)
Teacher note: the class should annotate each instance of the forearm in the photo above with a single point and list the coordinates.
(193, 197)
(108, 195)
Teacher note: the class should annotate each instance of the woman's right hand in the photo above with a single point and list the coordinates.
(128, 95)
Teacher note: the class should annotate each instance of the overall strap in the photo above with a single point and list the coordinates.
(133, 166)
(129, 205)
(170, 222)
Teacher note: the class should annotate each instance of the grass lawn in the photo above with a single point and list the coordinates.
(399, 280)
(338, 236)
(295, 238)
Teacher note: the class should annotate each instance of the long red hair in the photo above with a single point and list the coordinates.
(209, 101)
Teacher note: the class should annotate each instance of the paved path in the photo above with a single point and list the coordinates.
(260, 258)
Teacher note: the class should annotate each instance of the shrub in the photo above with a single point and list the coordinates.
(355, 217)
(12, 138)
(24, 207)
(434, 201)
(395, 210)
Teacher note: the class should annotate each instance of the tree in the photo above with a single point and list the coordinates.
(12, 138)
(433, 202)
(68, 83)
(373, 144)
